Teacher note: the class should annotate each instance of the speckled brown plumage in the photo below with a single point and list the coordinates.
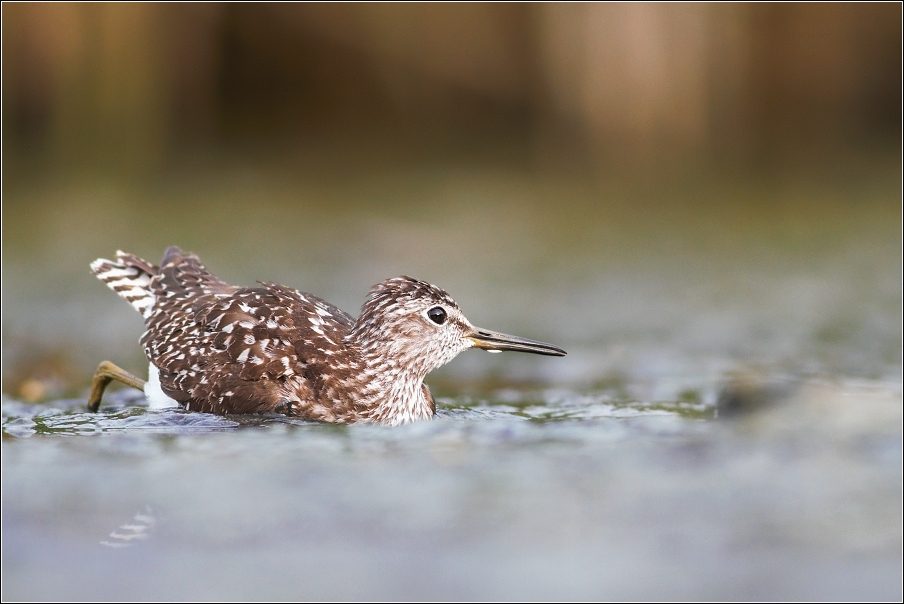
(272, 349)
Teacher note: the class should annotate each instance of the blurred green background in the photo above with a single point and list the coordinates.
(666, 190)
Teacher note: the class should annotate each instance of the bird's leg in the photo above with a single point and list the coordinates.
(107, 371)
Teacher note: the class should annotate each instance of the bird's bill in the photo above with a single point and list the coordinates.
(496, 342)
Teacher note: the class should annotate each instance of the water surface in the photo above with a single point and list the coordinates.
(727, 424)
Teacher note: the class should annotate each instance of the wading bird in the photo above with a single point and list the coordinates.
(219, 348)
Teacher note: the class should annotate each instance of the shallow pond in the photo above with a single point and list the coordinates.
(727, 424)
(563, 496)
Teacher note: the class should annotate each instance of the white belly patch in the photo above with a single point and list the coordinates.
(154, 393)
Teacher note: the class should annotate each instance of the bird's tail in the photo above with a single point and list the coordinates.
(130, 277)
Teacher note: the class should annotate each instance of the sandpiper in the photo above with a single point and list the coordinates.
(218, 348)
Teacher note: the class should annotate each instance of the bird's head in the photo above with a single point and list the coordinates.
(420, 325)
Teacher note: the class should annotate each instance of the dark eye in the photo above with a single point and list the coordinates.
(437, 314)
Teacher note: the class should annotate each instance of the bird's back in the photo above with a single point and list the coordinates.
(226, 349)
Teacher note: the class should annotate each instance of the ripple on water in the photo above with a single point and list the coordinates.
(121, 414)
(560, 404)
(125, 411)
(801, 490)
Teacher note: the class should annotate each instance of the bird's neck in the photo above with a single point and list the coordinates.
(394, 386)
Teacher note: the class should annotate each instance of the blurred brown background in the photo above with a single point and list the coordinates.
(133, 88)
(662, 189)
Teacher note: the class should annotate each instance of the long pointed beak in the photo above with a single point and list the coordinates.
(495, 342)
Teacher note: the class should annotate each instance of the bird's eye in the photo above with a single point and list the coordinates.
(437, 314)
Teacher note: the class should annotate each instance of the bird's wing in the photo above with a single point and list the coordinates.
(182, 274)
(253, 350)
(225, 349)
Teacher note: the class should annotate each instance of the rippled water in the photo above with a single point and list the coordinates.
(726, 425)
(551, 495)
(127, 411)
